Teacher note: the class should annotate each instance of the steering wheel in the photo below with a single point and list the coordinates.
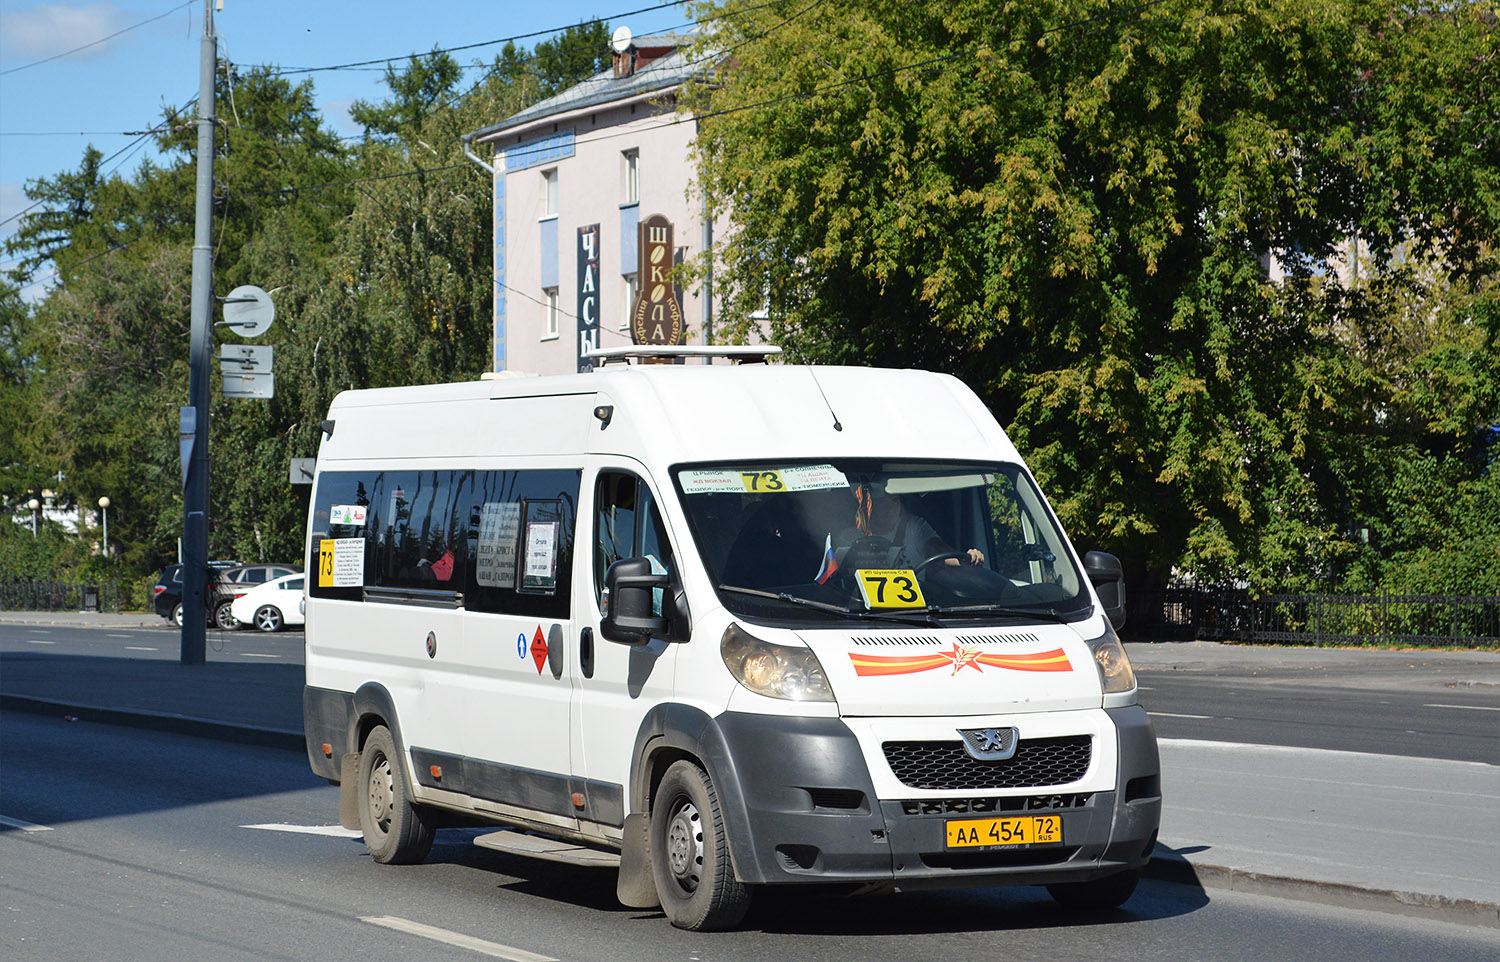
(944, 556)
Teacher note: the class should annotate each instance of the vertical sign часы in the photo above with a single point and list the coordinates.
(588, 294)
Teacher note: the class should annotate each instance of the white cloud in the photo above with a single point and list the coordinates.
(49, 29)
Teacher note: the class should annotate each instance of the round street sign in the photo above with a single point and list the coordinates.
(249, 311)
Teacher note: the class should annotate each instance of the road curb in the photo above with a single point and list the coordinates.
(159, 721)
(1178, 870)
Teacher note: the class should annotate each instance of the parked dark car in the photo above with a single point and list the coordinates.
(230, 579)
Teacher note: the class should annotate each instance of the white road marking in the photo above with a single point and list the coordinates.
(117, 636)
(337, 831)
(493, 949)
(38, 641)
(1173, 714)
(257, 654)
(24, 826)
(138, 648)
(1466, 707)
(1205, 743)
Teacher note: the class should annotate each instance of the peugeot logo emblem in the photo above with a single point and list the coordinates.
(990, 744)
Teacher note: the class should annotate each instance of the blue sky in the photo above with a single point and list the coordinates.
(51, 109)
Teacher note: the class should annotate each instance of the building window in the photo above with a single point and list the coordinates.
(550, 331)
(632, 176)
(549, 192)
(630, 292)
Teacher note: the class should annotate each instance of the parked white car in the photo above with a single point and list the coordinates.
(273, 605)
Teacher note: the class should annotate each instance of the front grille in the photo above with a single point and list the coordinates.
(983, 806)
(945, 766)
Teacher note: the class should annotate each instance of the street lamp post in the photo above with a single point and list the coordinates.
(104, 512)
(33, 504)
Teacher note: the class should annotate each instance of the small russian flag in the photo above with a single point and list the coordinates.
(830, 563)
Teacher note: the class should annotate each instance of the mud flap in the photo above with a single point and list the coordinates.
(349, 792)
(636, 888)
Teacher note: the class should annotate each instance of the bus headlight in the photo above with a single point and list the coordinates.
(1115, 673)
(776, 671)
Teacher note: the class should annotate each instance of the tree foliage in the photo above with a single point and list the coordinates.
(377, 256)
(1129, 228)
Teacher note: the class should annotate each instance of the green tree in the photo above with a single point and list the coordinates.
(1072, 206)
(426, 83)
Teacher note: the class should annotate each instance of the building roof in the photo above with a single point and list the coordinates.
(662, 65)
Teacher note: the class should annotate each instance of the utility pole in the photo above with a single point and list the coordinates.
(195, 492)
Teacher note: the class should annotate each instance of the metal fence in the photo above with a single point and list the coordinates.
(59, 596)
(1471, 621)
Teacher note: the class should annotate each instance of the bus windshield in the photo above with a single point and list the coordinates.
(888, 540)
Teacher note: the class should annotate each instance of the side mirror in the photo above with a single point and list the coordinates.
(632, 618)
(1108, 578)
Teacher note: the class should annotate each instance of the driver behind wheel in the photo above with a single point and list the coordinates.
(880, 514)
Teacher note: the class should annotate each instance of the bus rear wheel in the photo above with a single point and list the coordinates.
(397, 832)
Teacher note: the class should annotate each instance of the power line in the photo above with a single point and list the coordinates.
(472, 46)
(95, 43)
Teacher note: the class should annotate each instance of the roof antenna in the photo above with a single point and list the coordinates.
(836, 425)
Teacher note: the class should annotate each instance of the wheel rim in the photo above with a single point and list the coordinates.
(685, 845)
(266, 619)
(382, 794)
(177, 615)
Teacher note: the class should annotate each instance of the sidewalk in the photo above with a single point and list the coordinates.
(1414, 836)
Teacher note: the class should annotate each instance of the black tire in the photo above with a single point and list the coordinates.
(269, 618)
(1101, 893)
(177, 614)
(224, 618)
(690, 854)
(396, 831)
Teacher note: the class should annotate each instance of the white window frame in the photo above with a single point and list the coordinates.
(550, 331)
(549, 192)
(631, 281)
(632, 160)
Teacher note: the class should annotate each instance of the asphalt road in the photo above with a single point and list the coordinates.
(154, 642)
(131, 845)
(1418, 704)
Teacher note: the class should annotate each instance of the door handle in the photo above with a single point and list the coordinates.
(586, 652)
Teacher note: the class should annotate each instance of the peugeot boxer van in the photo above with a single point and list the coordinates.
(721, 626)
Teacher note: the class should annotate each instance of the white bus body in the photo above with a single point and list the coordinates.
(660, 616)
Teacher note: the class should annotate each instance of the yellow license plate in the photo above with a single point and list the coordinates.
(1023, 830)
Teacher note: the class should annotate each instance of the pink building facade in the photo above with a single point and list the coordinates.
(574, 176)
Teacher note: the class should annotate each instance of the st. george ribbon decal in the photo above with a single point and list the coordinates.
(960, 657)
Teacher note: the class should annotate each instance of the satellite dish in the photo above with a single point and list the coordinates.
(249, 310)
(621, 40)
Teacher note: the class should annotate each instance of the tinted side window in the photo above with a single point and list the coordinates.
(627, 524)
(502, 540)
(416, 529)
(519, 531)
(335, 517)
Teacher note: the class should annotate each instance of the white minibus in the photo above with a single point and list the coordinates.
(721, 626)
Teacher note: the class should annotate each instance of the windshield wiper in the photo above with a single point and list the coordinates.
(1046, 614)
(791, 599)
